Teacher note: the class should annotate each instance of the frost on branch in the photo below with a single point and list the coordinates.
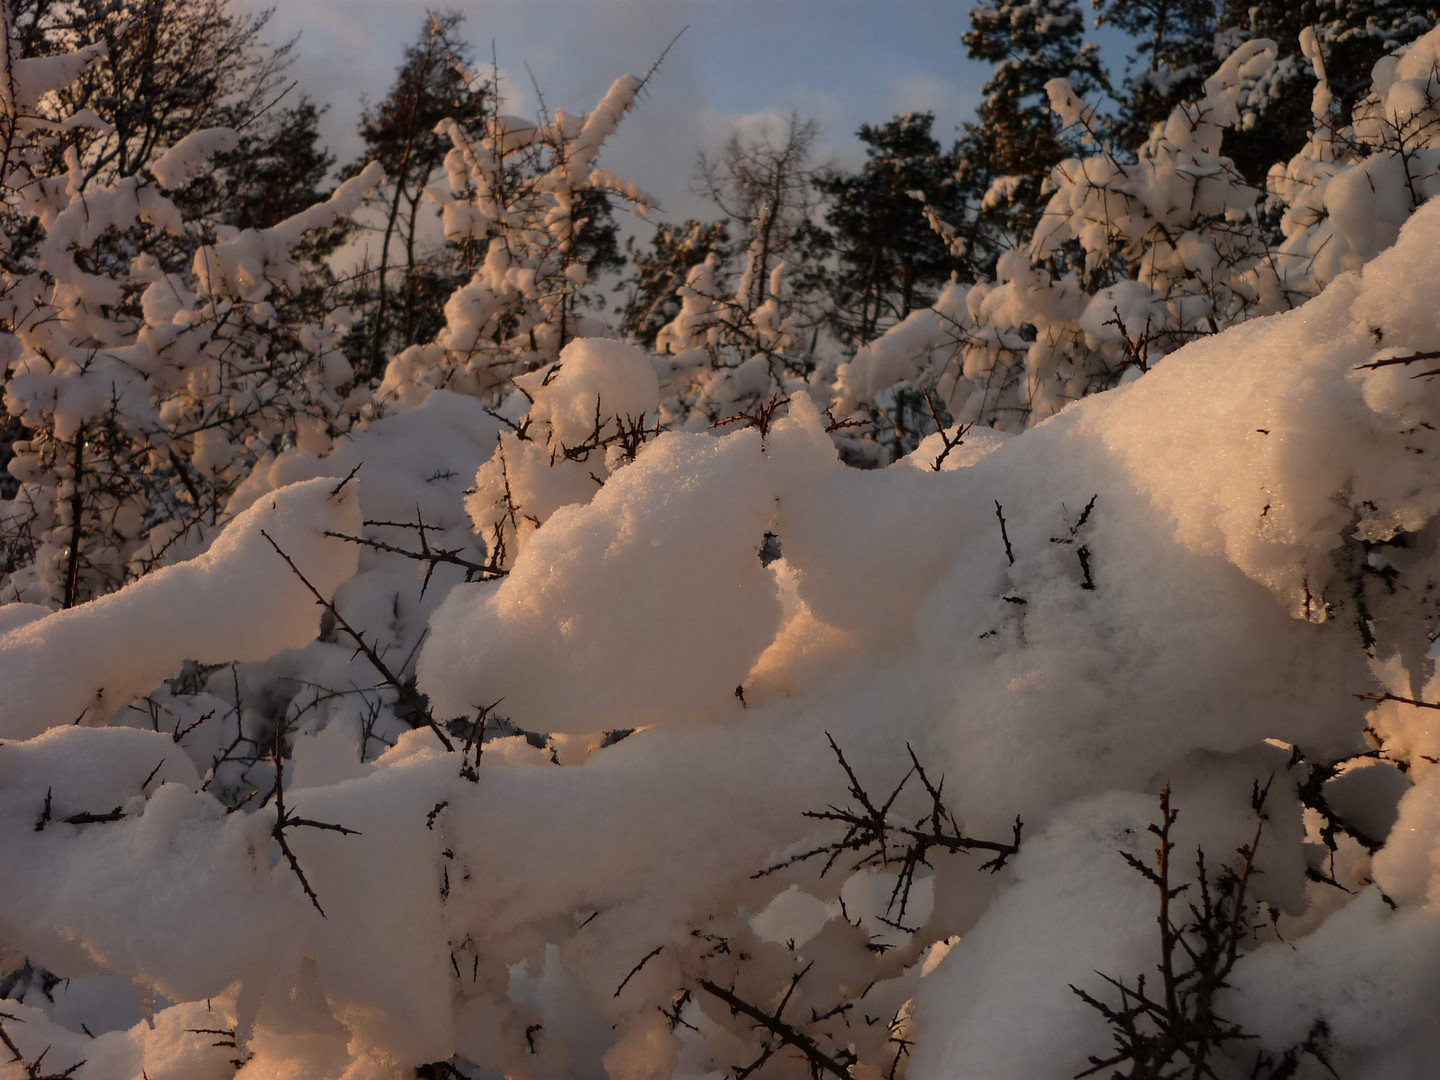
(242, 602)
(585, 415)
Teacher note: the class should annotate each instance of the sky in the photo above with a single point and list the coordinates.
(842, 62)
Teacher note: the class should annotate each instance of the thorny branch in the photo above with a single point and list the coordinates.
(949, 442)
(432, 557)
(833, 425)
(418, 706)
(1082, 552)
(83, 818)
(836, 1064)
(34, 1070)
(629, 433)
(879, 840)
(636, 969)
(1004, 535)
(1402, 700)
(762, 417)
(1176, 1031)
(87, 817)
(1137, 350)
(1410, 358)
(287, 819)
(1311, 793)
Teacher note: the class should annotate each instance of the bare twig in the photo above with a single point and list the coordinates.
(287, 819)
(833, 425)
(1397, 698)
(836, 1064)
(879, 840)
(947, 441)
(1005, 536)
(1409, 358)
(419, 707)
(1176, 1031)
(433, 557)
(636, 969)
(1137, 350)
(762, 417)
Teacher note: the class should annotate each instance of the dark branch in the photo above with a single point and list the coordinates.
(419, 707)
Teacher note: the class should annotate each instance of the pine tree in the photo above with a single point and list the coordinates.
(598, 241)
(660, 269)
(1352, 34)
(172, 68)
(1177, 40)
(1008, 152)
(890, 260)
(411, 271)
(404, 285)
(278, 169)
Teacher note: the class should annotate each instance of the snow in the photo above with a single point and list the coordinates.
(573, 638)
(180, 162)
(238, 600)
(595, 385)
(673, 647)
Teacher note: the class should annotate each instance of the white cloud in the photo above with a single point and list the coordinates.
(844, 63)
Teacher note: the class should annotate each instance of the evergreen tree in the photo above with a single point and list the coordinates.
(1177, 40)
(1352, 34)
(598, 242)
(890, 260)
(278, 170)
(172, 68)
(408, 273)
(411, 270)
(660, 269)
(1007, 154)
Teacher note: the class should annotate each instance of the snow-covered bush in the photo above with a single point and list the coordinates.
(580, 418)
(515, 195)
(146, 393)
(725, 354)
(1135, 256)
(505, 730)
(1348, 191)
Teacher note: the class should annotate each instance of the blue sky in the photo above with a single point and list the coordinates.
(844, 62)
